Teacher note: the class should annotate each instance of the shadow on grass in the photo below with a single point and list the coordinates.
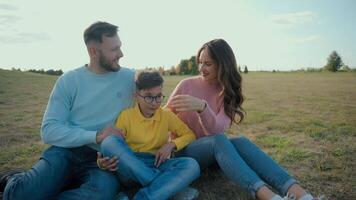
(212, 185)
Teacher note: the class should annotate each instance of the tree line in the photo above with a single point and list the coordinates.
(186, 67)
(191, 67)
(42, 71)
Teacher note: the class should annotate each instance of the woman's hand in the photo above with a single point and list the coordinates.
(182, 103)
(105, 163)
(164, 153)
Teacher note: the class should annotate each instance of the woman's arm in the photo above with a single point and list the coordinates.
(214, 122)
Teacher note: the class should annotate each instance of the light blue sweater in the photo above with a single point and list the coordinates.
(82, 103)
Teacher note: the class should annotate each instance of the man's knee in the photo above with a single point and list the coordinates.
(104, 184)
(55, 159)
(57, 153)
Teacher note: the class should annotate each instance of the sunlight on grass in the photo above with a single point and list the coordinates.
(305, 121)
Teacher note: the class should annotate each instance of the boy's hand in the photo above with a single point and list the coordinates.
(164, 153)
(109, 130)
(106, 163)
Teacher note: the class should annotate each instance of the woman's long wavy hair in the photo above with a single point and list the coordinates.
(228, 77)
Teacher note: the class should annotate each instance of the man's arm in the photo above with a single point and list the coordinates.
(55, 129)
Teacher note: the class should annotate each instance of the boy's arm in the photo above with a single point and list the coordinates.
(122, 123)
(182, 131)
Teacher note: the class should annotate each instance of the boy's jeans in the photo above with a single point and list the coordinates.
(59, 167)
(241, 161)
(158, 182)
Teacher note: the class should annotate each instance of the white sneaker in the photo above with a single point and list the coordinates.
(310, 197)
(122, 196)
(187, 193)
(290, 197)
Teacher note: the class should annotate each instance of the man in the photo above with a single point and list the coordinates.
(81, 110)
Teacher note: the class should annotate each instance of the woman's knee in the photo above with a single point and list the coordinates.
(219, 139)
(241, 140)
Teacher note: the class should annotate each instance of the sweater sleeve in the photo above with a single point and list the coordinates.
(182, 131)
(55, 129)
(214, 123)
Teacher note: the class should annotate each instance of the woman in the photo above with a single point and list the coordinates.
(210, 103)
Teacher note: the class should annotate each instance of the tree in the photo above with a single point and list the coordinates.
(239, 68)
(245, 70)
(177, 70)
(192, 64)
(345, 68)
(334, 62)
(183, 67)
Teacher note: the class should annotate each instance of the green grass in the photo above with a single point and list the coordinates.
(305, 121)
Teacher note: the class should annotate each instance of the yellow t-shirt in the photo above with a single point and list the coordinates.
(150, 134)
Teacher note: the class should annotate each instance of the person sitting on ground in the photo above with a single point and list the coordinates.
(81, 109)
(209, 104)
(144, 150)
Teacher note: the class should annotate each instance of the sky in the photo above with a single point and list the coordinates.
(265, 35)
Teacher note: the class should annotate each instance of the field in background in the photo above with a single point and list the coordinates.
(305, 121)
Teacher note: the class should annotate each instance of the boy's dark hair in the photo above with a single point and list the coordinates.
(148, 79)
(96, 31)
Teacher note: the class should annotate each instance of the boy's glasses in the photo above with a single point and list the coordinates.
(150, 99)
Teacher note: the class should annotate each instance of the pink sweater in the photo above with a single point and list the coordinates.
(213, 119)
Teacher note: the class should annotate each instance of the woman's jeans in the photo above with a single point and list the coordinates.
(59, 167)
(158, 182)
(241, 161)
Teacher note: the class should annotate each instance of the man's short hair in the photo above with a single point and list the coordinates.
(96, 31)
(148, 79)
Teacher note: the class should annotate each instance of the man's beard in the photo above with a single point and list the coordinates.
(105, 64)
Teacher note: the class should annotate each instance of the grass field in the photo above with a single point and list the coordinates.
(305, 121)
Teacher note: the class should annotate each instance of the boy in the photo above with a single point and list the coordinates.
(144, 156)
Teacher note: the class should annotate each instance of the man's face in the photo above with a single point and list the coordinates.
(109, 52)
(149, 100)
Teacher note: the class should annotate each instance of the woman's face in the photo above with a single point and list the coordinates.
(208, 68)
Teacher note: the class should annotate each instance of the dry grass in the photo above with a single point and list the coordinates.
(305, 121)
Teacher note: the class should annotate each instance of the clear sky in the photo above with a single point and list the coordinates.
(265, 35)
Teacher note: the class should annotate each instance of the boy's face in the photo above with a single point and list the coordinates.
(149, 100)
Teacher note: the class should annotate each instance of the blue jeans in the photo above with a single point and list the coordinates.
(158, 182)
(241, 161)
(59, 167)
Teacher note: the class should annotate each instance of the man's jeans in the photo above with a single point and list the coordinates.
(59, 167)
(158, 182)
(241, 161)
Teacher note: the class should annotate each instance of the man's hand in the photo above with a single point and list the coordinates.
(164, 153)
(182, 103)
(106, 163)
(110, 130)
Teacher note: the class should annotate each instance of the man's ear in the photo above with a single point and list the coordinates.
(92, 50)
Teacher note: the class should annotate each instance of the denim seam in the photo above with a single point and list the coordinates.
(255, 187)
(287, 185)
